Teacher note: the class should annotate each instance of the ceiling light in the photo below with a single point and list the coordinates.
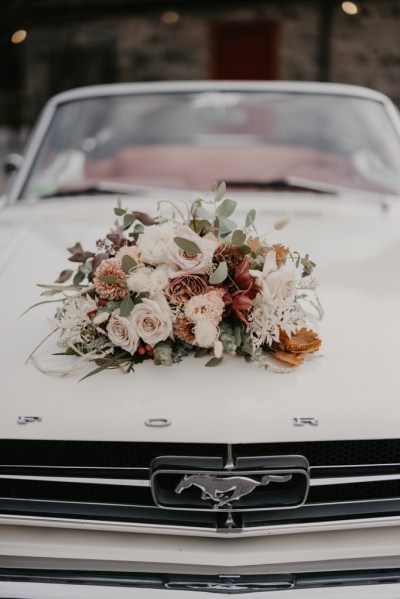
(170, 17)
(350, 8)
(18, 36)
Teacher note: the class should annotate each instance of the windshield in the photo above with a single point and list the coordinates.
(190, 140)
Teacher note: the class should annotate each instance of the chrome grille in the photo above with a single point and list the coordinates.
(106, 482)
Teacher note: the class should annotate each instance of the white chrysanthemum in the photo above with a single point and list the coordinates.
(205, 333)
(208, 306)
(139, 280)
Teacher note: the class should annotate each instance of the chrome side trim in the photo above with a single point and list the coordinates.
(120, 482)
(347, 480)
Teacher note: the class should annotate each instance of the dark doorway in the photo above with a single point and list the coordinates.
(245, 50)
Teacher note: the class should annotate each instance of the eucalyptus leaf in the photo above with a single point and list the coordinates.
(138, 228)
(119, 211)
(201, 226)
(187, 245)
(214, 362)
(111, 280)
(238, 238)
(221, 191)
(226, 208)
(126, 306)
(226, 225)
(219, 274)
(250, 218)
(245, 249)
(129, 219)
(128, 263)
(78, 278)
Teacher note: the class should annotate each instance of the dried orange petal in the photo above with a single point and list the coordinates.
(288, 358)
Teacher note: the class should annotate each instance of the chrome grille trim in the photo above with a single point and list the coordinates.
(316, 482)
(342, 495)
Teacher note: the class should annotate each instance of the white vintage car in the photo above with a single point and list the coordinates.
(89, 471)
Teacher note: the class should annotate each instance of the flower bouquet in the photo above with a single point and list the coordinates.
(161, 288)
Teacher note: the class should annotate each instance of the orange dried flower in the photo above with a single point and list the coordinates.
(281, 252)
(302, 341)
(288, 358)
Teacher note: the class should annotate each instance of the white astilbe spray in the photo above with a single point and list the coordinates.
(72, 319)
(267, 320)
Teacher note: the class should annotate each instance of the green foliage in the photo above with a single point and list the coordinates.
(220, 273)
(126, 306)
(128, 264)
(163, 354)
(78, 278)
(187, 245)
(213, 362)
(250, 218)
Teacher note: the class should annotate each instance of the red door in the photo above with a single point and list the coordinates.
(245, 50)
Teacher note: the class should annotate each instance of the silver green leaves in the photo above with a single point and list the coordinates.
(219, 274)
(187, 245)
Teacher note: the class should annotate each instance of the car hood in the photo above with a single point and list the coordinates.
(351, 387)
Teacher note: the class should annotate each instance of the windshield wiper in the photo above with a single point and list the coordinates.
(97, 188)
(287, 183)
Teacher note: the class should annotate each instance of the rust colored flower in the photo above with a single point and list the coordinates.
(241, 291)
(232, 256)
(181, 289)
(280, 253)
(183, 330)
(302, 341)
(110, 291)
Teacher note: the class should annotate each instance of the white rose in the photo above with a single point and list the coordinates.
(205, 333)
(121, 332)
(183, 263)
(153, 242)
(158, 279)
(139, 280)
(280, 285)
(152, 321)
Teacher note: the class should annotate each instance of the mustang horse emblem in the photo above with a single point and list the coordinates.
(223, 490)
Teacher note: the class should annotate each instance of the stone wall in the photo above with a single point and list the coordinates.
(139, 46)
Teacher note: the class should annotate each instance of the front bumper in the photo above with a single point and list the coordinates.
(70, 549)
(42, 584)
